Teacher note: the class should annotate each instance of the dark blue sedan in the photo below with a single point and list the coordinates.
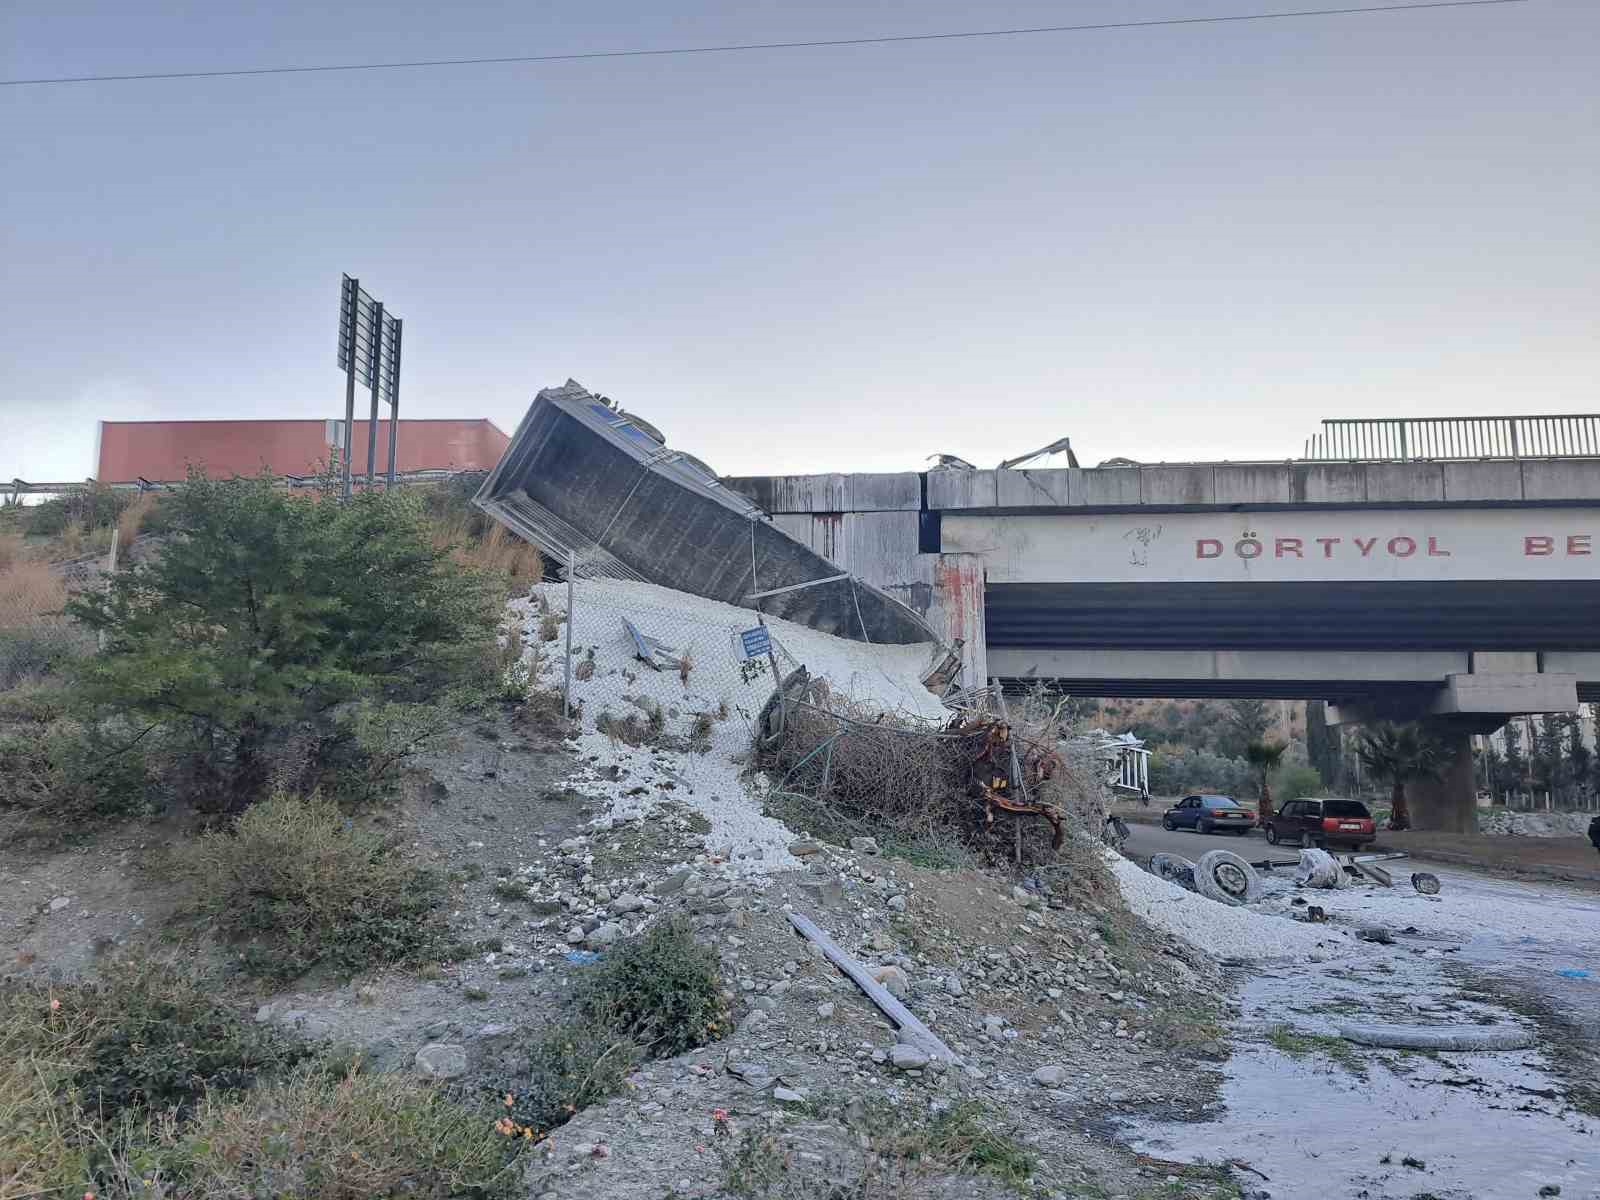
(1209, 814)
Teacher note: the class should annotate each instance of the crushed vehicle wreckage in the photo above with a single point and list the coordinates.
(598, 490)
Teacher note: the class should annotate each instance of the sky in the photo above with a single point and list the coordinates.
(1169, 244)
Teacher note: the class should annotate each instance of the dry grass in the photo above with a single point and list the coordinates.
(132, 517)
(13, 548)
(30, 592)
(323, 1136)
(497, 552)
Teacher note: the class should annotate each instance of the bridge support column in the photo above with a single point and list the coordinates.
(1448, 804)
(957, 611)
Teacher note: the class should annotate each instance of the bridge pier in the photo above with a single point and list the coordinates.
(1448, 804)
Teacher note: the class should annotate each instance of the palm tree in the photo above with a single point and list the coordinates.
(1401, 754)
(1264, 757)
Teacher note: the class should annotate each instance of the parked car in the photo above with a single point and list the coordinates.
(1320, 822)
(1209, 814)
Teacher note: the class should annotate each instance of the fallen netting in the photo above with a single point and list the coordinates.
(1425, 1037)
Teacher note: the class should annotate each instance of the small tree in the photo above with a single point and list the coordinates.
(1245, 721)
(1401, 753)
(1264, 758)
(274, 620)
(1516, 764)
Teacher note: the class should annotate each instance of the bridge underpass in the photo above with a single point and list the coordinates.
(1457, 593)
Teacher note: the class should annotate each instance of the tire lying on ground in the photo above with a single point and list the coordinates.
(1440, 1037)
(1223, 876)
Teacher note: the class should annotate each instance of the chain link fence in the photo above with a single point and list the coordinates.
(834, 737)
(37, 638)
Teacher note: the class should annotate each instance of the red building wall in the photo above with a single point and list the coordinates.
(162, 450)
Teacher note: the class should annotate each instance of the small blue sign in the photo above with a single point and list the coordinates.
(756, 642)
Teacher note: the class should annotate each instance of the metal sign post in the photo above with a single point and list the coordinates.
(347, 356)
(376, 372)
(394, 398)
(369, 350)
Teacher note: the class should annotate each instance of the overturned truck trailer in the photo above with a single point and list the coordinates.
(584, 481)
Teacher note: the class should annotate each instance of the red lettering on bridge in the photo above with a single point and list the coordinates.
(1282, 547)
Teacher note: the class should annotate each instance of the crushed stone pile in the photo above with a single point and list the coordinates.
(1500, 822)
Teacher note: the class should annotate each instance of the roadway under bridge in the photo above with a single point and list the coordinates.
(1460, 592)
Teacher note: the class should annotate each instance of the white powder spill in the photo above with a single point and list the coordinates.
(1217, 929)
(712, 707)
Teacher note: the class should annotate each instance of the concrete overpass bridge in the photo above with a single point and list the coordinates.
(1461, 591)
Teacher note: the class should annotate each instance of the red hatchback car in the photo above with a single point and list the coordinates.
(1319, 822)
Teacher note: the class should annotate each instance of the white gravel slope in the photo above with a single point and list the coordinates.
(1218, 929)
(719, 688)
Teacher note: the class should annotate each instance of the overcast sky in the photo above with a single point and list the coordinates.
(1169, 243)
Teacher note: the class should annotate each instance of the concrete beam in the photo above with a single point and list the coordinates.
(1201, 486)
(1426, 668)
(1507, 693)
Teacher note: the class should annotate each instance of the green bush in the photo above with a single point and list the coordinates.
(1177, 773)
(573, 1065)
(269, 616)
(302, 887)
(661, 990)
(1293, 781)
(52, 764)
(87, 509)
(656, 995)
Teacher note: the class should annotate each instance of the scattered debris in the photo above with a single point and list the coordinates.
(1377, 874)
(1376, 933)
(912, 1031)
(1174, 869)
(652, 652)
(1318, 869)
(1425, 882)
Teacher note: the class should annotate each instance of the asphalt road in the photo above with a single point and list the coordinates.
(1145, 840)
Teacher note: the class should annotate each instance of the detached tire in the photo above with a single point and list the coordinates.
(1226, 878)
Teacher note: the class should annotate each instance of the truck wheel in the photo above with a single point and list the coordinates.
(1225, 877)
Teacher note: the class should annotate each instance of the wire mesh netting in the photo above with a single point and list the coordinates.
(37, 639)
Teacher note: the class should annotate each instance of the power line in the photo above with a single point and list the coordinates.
(739, 47)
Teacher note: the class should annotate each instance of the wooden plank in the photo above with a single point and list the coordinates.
(912, 1031)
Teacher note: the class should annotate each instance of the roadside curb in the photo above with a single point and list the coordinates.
(1566, 874)
(1562, 874)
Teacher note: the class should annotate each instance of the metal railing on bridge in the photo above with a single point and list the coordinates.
(1572, 435)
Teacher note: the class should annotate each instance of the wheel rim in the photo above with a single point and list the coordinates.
(1231, 879)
